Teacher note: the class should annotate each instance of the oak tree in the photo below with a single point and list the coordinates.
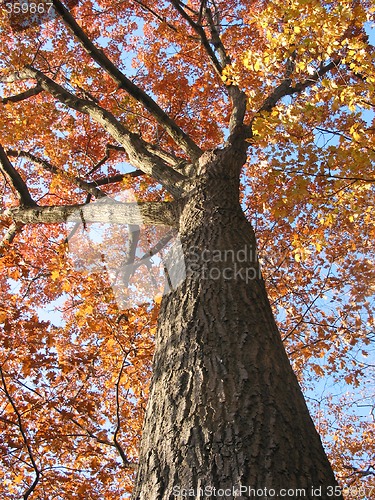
(245, 130)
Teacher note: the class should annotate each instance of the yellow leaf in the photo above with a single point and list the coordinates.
(88, 309)
(356, 136)
(158, 298)
(257, 65)
(55, 274)
(18, 479)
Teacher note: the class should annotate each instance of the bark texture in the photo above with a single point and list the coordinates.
(107, 211)
(225, 408)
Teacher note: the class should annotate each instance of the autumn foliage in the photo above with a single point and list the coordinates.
(74, 363)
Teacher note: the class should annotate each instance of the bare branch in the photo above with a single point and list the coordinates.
(108, 149)
(32, 487)
(16, 180)
(87, 432)
(156, 213)
(309, 306)
(177, 134)
(329, 175)
(237, 97)
(126, 268)
(86, 186)
(145, 259)
(118, 418)
(202, 35)
(155, 14)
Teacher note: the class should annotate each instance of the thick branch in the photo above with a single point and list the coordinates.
(113, 179)
(238, 98)
(136, 148)
(214, 26)
(23, 95)
(16, 180)
(155, 213)
(177, 134)
(284, 89)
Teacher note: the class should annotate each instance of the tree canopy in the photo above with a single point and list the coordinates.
(103, 98)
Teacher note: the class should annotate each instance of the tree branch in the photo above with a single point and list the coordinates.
(155, 14)
(126, 269)
(86, 186)
(113, 179)
(86, 431)
(202, 35)
(237, 97)
(328, 176)
(10, 235)
(16, 180)
(136, 148)
(285, 89)
(106, 211)
(118, 419)
(23, 95)
(32, 487)
(177, 134)
(214, 26)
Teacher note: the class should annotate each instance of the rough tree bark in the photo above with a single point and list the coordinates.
(225, 408)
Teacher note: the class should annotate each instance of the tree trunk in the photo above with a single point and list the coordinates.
(225, 408)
